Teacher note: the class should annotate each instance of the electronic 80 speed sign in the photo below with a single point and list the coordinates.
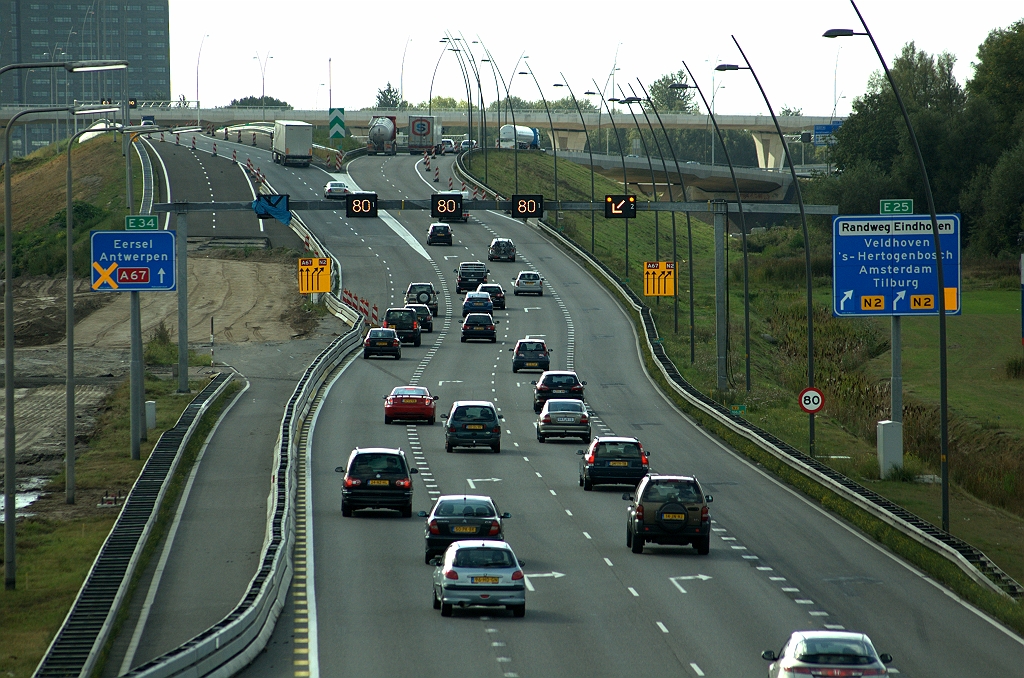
(528, 206)
(361, 205)
(446, 205)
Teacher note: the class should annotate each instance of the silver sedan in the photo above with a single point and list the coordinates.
(485, 573)
(561, 418)
(335, 189)
(827, 653)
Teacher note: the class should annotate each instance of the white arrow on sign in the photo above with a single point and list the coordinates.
(529, 586)
(531, 308)
(676, 580)
(161, 274)
(457, 381)
(473, 481)
(848, 294)
(899, 295)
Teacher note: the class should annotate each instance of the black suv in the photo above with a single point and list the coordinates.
(376, 477)
(424, 315)
(668, 510)
(439, 234)
(470, 275)
(531, 354)
(403, 321)
(422, 293)
(382, 341)
(501, 249)
(556, 384)
(613, 460)
(497, 293)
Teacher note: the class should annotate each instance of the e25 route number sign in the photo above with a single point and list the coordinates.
(885, 265)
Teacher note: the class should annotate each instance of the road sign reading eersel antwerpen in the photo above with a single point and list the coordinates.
(141, 222)
(126, 261)
(885, 265)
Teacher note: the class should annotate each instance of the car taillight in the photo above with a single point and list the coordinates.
(590, 457)
(451, 429)
(384, 324)
(546, 419)
(496, 429)
(433, 527)
(495, 528)
(517, 575)
(490, 327)
(643, 458)
(640, 512)
(542, 387)
(451, 574)
(367, 342)
(352, 482)
(584, 419)
(705, 515)
(577, 388)
(403, 482)
(415, 324)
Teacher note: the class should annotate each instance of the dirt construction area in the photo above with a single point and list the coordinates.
(251, 297)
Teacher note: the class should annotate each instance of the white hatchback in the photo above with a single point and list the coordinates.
(528, 282)
(335, 189)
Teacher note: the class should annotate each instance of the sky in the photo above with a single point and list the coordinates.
(370, 44)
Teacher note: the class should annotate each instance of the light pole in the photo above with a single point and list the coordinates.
(316, 99)
(629, 101)
(469, 90)
(199, 108)
(743, 225)
(711, 113)
(430, 95)
(803, 222)
(263, 74)
(590, 151)
(554, 141)
(622, 156)
(10, 467)
(401, 75)
(943, 392)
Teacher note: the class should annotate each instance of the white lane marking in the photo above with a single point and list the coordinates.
(790, 589)
(664, 629)
(777, 578)
(696, 669)
(803, 601)
(538, 475)
(608, 562)
(568, 512)
(633, 591)
(840, 627)
(553, 493)
(764, 568)
(526, 459)
(818, 613)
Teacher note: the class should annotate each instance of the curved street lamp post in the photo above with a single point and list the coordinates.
(554, 141)
(622, 156)
(590, 151)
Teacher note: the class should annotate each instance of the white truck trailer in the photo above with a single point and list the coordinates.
(293, 143)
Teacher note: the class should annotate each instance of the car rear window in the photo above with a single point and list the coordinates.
(571, 406)
(833, 651)
(532, 346)
(560, 380)
(371, 463)
(410, 390)
(490, 289)
(422, 287)
(465, 508)
(478, 319)
(529, 276)
(403, 315)
(678, 491)
(474, 413)
(484, 557)
(382, 334)
(618, 451)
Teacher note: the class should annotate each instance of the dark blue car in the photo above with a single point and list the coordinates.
(477, 302)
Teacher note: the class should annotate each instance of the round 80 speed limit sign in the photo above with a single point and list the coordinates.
(811, 400)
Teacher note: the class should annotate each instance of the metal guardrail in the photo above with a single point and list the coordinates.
(971, 560)
(232, 643)
(81, 639)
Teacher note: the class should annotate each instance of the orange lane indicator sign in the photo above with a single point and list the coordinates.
(314, 275)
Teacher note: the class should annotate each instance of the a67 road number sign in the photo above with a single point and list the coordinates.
(811, 400)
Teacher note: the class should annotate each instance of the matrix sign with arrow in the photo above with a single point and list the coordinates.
(659, 278)
(885, 265)
(620, 207)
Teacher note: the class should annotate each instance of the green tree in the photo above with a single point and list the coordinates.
(671, 100)
(786, 111)
(389, 97)
(999, 73)
(566, 104)
(258, 102)
(1003, 204)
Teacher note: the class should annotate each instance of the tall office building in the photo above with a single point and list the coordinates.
(55, 30)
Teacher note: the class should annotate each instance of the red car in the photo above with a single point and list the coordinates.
(410, 402)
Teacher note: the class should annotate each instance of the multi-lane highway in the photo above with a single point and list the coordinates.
(778, 563)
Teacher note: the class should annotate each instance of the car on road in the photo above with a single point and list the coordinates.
(496, 291)
(485, 573)
(556, 384)
(439, 234)
(376, 478)
(461, 516)
(827, 653)
(382, 341)
(528, 282)
(501, 249)
(403, 321)
(477, 302)
(470, 275)
(531, 354)
(424, 315)
(472, 423)
(668, 509)
(468, 144)
(335, 189)
(613, 460)
(447, 146)
(479, 326)
(422, 293)
(563, 419)
(410, 402)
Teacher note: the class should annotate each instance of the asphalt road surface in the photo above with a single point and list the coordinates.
(778, 563)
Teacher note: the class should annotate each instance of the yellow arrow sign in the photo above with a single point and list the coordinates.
(659, 278)
(314, 275)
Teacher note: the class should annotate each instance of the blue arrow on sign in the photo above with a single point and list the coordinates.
(133, 261)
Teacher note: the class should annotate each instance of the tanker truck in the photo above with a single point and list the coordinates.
(382, 137)
(424, 134)
(525, 137)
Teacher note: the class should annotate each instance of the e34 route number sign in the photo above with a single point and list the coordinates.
(133, 261)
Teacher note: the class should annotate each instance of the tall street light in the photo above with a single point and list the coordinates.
(430, 95)
(453, 41)
(263, 74)
(943, 391)
(629, 101)
(554, 141)
(10, 468)
(590, 152)
(622, 156)
(199, 109)
(743, 221)
(803, 222)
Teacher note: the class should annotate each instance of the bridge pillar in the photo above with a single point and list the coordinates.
(568, 140)
(770, 153)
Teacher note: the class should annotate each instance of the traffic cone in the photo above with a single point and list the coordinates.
(225, 134)
(463, 185)
(437, 175)
(234, 155)
(177, 139)
(239, 140)
(193, 143)
(161, 137)
(254, 138)
(214, 149)
(449, 183)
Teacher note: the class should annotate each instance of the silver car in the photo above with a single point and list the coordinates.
(335, 189)
(563, 419)
(528, 282)
(826, 653)
(477, 572)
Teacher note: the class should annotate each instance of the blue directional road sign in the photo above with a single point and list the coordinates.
(885, 265)
(133, 261)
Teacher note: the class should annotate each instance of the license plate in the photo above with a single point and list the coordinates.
(673, 516)
(410, 401)
(475, 427)
(380, 482)
(484, 580)
(565, 419)
(531, 364)
(558, 391)
(618, 463)
(382, 343)
(464, 529)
